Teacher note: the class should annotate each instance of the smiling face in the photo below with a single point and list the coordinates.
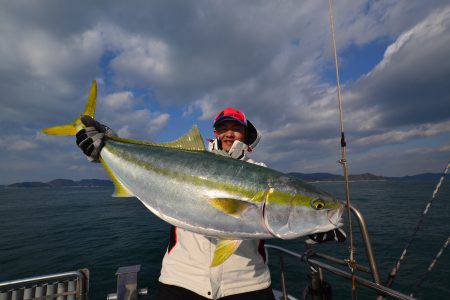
(228, 132)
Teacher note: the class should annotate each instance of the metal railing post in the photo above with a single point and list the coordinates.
(283, 281)
(365, 282)
(366, 239)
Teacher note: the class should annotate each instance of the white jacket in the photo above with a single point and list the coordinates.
(188, 258)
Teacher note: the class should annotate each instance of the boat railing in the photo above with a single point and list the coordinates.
(68, 285)
(311, 258)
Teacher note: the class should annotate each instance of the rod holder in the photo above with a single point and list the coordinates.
(127, 284)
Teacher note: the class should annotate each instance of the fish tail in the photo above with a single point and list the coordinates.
(75, 126)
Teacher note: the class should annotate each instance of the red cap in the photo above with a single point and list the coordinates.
(232, 114)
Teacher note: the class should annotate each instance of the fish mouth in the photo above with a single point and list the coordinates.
(334, 216)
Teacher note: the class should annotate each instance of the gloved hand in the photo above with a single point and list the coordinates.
(337, 235)
(91, 139)
(238, 150)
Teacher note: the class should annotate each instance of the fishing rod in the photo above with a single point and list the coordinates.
(343, 160)
(430, 267)
(394, 270)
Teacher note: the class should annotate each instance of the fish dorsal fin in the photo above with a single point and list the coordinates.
(190, 141)
(224, 249)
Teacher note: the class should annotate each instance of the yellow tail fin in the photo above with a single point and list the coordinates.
(75, 126)
(72, 128)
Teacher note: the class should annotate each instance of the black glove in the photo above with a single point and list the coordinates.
(91, 139)
(337, 235)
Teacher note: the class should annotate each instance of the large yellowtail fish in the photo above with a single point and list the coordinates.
(213, 195)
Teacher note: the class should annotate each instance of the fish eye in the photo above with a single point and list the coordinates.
(318, 204)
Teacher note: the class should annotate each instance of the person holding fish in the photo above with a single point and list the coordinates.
(188, 268)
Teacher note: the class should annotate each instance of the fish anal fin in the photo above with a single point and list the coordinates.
(119, 189)
(230, 206)
(224, 249)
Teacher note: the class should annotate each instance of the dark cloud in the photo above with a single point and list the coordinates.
(267, 58)
(410, 85)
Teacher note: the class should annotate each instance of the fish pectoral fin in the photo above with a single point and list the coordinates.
(120, 190)
(230, 206)
(224, 249)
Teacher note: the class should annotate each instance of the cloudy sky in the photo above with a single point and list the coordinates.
(163, 66)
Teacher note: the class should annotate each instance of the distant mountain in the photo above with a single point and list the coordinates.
(419, 177)
(94, 182)
(28, 184)
(334, 177)
(366, 176)
(64, 183)
(303, 176)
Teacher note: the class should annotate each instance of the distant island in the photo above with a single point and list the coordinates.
(64, 183)
(333, 177)
(313, 177)
(309, 177)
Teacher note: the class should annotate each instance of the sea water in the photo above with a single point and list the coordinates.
(50, 230)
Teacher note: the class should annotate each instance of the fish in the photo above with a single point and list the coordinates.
(216, 196)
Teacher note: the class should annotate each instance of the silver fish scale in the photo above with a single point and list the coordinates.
(177, 186)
